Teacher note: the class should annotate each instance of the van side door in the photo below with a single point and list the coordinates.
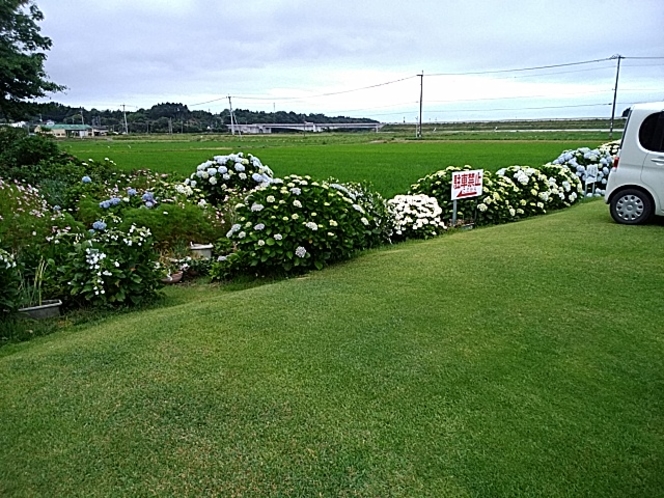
(651, 138)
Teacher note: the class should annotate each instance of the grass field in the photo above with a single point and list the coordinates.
(392, 165)
(518, 360)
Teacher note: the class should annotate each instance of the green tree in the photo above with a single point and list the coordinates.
(22, 55)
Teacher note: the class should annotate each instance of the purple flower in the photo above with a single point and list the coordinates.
(99, 225)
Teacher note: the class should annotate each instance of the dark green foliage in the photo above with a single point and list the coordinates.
(173, 223)
(38, 160)
(22, 55)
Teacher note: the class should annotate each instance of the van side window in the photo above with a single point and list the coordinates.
(651, 133)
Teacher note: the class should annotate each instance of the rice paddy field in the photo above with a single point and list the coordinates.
(390, 162)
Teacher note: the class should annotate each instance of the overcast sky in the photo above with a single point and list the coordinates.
(292, 54)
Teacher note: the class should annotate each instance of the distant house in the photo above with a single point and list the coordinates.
(66, 130)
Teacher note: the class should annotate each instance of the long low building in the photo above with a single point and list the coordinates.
(70, 130)
(259, 128)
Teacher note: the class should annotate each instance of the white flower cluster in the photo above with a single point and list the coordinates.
(136, 235)
(94, 259)
(229, 172)
(7, 260)
(416, 215)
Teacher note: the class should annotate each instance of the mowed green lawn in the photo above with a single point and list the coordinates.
(392, 165)
(519, 360)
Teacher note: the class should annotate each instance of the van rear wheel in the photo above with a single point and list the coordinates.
(631, 207)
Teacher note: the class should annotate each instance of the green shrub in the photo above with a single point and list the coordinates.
(173, 223)
(296, 224)
(111, 267)
(381, 226)
(173, 212)
(19, 152)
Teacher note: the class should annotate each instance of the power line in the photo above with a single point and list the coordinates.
(522, 69)
(519, 108)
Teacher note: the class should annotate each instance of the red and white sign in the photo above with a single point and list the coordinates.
(467, 184)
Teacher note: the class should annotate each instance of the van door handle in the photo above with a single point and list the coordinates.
(658, 160)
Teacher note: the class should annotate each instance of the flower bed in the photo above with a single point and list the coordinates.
(102, 245)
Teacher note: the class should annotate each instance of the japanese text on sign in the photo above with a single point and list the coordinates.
(467, 184)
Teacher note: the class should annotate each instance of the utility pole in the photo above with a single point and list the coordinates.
(82, 121)
(419, 126)
(230, 107)
(615, 94)
(124, 113)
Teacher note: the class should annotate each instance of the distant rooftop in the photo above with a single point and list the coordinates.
(70, 127)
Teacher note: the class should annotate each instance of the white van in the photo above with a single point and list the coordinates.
(635, 189)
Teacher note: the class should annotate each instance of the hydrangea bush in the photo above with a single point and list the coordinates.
(508, 195)
(439, 185)
(416, 216)
(534, 191)
(296, 224)
(110, 266)
(566, 187)
(579, 159)
(221, 176)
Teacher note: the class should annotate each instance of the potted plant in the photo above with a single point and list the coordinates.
(34, 305)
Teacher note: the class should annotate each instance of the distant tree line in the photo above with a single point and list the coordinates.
(172, 118)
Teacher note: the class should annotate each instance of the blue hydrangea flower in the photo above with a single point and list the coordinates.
(131, 191)
(105, 204)
(99, 225)
(86, 179)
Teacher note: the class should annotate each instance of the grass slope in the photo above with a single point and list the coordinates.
(518, 360)
(392, 166)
